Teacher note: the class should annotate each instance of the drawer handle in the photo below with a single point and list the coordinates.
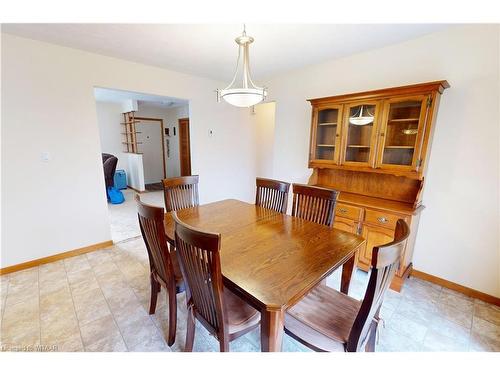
(382, 219)
(343, 210)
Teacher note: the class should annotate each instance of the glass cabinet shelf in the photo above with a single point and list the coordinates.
(404, 119)
(326, 133)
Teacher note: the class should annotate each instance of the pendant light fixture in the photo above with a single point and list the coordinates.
(361, 120)
(242, 92)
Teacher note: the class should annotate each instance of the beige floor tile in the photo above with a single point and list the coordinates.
(83, 287)
(56, 331)
(457, 301)
(79, 276)
(112, 343)
(479, 302)
(435, 341)
(386, 313)
(28, 276)
(76, 264)
(480, 343)
(420, 313)
(425, 283)
(121, 299)
(98, 330)
(450, 329)
(25, 291)
(61, 297)
(487, 313)
(485, 328)
(25, 311)
(20, 335)
(54, 312)
(123, 316)
(105, 268)
(406, 326)
(455, 315)
(71, 344)
(52, 271)
(90, 306)
(110, 278)
(98, 257)
(50, 286)
(114, 286)
(132, 268)
(138, 331)
(155, 343)
(4, 285)
(421, 293)
(395, 342)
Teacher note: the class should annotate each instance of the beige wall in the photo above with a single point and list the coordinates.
(48, 105)
(458, 235)
(263, 121)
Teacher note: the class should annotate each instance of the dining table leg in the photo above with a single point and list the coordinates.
(347, 270)
(271, 330)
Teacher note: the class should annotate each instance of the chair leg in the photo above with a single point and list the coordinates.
(190, 330)
(372, 337)
(172, 315)
(224, 345)
(155, 289)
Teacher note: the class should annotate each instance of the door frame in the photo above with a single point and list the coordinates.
(180, 145)
(162, 130)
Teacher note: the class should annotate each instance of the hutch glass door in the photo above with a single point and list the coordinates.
(359, 134)
(326, 134)
(402, 132)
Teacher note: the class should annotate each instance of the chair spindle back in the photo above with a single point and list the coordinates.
(181, 192)
(314, 203)
(272, 194)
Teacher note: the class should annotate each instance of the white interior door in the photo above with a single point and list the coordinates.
(150, 137)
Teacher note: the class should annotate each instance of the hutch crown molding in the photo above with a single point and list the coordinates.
(373, 147)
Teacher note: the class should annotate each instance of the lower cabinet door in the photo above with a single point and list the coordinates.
(350, 226)
(347, 225)
(374, 236)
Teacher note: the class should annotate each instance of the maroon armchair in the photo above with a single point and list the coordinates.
(109, 165)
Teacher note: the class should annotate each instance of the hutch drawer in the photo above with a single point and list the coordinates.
(381, 218)
(348, 211)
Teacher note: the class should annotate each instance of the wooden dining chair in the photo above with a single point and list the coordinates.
(327, 320)
(314, 203)
(221, 312)
(163, 264)
(180, 192)
(272, 194)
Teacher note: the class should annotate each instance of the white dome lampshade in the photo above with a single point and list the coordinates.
(361, 120)
(242, 92)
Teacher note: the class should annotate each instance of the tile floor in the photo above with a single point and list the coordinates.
(99, 302)
(123, 217)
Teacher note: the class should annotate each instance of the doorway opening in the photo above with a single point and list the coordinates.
(147, 134)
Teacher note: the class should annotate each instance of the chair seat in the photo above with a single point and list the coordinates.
(240, 315)
(323, 318)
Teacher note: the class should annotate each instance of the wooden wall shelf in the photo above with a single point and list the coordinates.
(129, 133)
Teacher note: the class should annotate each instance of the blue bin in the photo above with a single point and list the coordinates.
(120, 179)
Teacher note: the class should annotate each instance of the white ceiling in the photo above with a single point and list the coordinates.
(210, 51)
(119, 96)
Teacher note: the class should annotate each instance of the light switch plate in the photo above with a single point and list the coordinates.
(45, 156)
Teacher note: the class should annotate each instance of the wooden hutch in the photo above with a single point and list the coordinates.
(373, 147)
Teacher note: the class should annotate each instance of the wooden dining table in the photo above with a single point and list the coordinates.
(269, 259)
